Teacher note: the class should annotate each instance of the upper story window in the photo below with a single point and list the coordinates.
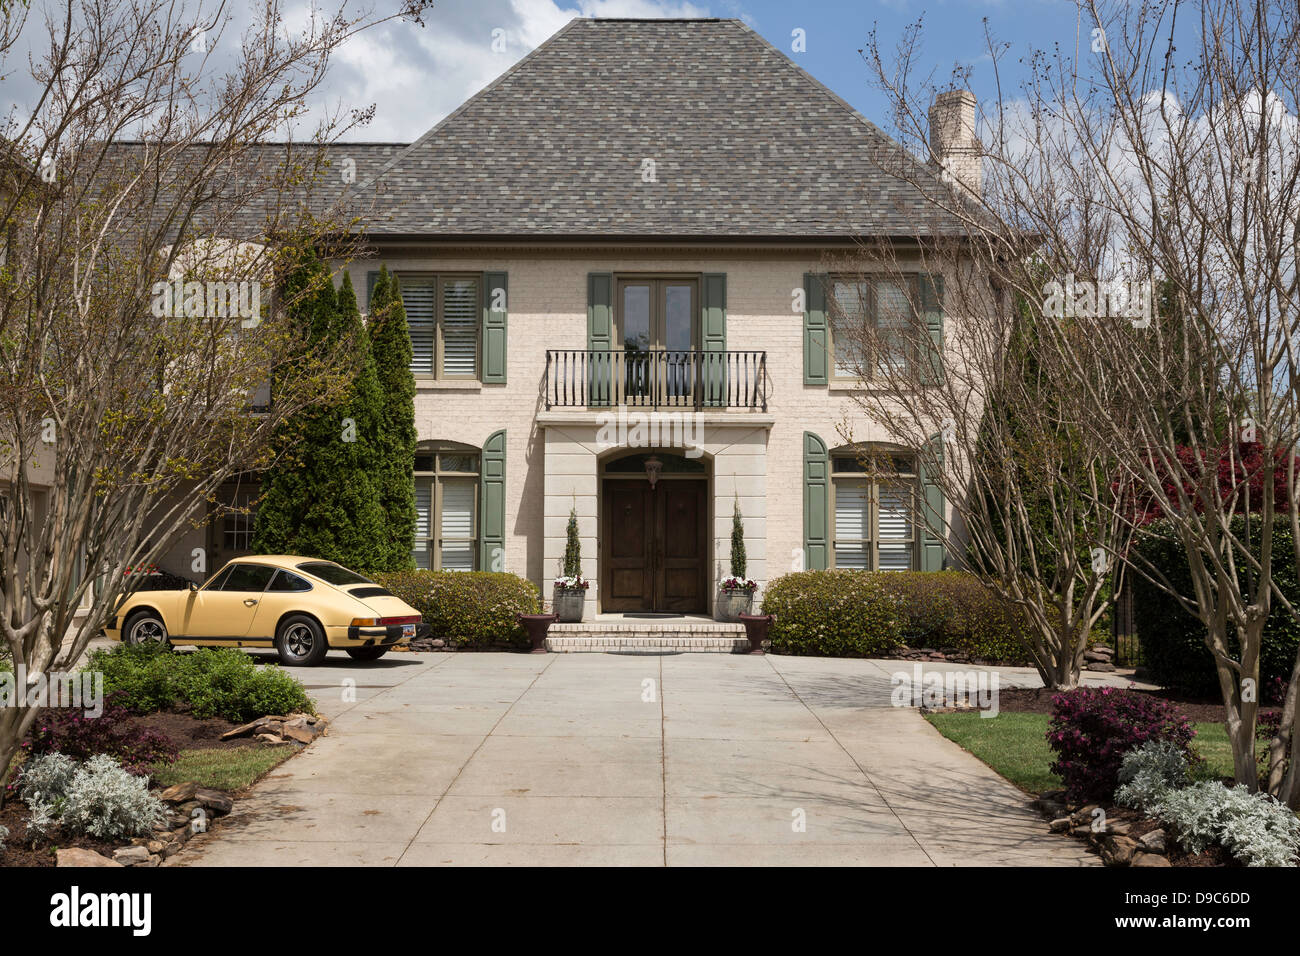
(446, 506)
(878, 315)
(874, 500)
(443, 312)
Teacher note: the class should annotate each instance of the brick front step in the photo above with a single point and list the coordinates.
(648, 637)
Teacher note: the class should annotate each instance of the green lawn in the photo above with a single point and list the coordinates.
(231, 769)
(1015, 745)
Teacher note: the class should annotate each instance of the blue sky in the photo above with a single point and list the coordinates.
(429, 71)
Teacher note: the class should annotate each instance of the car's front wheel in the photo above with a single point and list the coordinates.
(145, 627)
(301, 642)
(366, 653)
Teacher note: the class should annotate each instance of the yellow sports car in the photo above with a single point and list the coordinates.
(302, 607)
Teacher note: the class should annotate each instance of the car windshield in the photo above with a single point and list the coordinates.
(332, 573)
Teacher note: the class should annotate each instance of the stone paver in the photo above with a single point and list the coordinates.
(505, 759)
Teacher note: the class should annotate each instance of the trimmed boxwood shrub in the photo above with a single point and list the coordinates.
(832, 613)
(842, 613)
(1173, 640)
(1092, 728)
(467, 608)
(210, 682)
(953, 611)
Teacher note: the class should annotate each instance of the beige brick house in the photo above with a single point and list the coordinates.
(613, 264)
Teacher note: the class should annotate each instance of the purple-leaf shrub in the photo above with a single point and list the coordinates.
(1093, 728)
(68, 731)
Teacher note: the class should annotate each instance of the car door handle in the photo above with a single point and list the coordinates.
(249, 602)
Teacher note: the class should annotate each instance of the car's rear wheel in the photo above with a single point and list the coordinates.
(301, 642)
(145, 627)
(366, 653)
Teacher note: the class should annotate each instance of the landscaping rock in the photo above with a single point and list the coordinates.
(1119, 828)
(1084, 814)
(131, 855)
(1153, 842)
(1117, 850)
(304, 735)
(1059, 825)
(1101, 667)
(214, 801)
(180, 793)
(281, 728)
(155, 846)
(1150, 859)
(76, 857)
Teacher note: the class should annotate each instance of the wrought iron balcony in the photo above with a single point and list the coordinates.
(655, 378)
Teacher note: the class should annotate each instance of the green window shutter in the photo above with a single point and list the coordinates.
(492, 503)
(816, 355)
(816, 502)
(932, 310)
(933, 508)
(713, 336)
(600, 336)
(494, 328)
(371, 278)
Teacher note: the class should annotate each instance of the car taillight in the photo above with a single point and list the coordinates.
(409, 619)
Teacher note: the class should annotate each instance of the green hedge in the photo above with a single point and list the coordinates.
(1173, 641)
(210, 682)
(861, 614)
(467, 608)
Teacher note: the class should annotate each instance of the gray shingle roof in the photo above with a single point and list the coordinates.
(743, 142)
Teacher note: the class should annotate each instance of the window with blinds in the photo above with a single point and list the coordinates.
(446, 510)
(878, 313)
(443, 314)
(874, 501)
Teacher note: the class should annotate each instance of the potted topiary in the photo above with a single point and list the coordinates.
(571, 588)
(737, 590)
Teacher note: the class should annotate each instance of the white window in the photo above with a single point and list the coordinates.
(446, 508)
(876, 314)
(874, 510)
(443, 314)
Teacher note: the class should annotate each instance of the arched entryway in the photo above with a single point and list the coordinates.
(654, 533)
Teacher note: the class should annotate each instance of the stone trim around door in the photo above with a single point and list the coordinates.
(736, 454)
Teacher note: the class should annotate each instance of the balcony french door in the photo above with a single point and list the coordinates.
(656, 322)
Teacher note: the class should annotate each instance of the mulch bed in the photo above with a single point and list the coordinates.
(185, 731)
(18, 850)
(192, 733)
(1039, 701)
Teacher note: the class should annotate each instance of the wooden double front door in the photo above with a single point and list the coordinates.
(654, 545)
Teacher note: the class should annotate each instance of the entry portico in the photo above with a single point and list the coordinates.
(640, 541)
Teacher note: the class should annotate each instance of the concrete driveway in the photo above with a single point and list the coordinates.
(443, 759)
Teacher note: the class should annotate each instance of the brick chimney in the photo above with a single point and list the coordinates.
(953, 147)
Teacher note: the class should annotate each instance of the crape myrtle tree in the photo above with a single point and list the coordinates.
(1149, 167)
(394, 464)
(320, 498)
(993, 430)
(144, 217)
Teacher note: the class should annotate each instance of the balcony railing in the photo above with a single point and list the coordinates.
(655, 378)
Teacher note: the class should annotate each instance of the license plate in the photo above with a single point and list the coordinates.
(408, 630)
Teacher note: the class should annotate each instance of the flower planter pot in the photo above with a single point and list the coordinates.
(756, 627)
(568, 604)
(536, 625)
(732, 604)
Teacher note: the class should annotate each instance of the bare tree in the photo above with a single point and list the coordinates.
(995, 431)
(147, 225)
(1149, 172)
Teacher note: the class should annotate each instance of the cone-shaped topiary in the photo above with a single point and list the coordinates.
(320, 498)
(738, 557)
(395, 445)
(572, 554)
